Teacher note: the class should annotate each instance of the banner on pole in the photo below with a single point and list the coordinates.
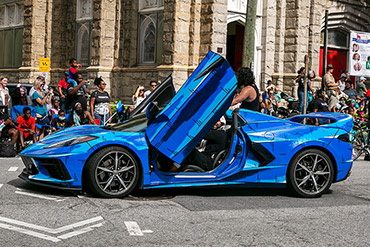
(359, 54)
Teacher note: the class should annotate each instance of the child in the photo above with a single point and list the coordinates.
(26, 126)
(72, 71)
(60, 122)
(54, 109)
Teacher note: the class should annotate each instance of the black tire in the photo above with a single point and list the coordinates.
(112, 172)
(357, 144)
(310, 173)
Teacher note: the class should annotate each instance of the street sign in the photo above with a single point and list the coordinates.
(44, 64)
(368, 65)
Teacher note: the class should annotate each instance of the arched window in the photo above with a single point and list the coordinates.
(83, 48)
(84, 23)
(150, 31)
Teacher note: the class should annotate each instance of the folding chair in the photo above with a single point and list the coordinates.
(17, 110)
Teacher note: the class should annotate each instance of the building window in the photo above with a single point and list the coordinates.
(11, 34)
(84, 25)
(336, 38)
(150, 31)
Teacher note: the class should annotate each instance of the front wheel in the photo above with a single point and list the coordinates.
(310, 173)
(112, 172)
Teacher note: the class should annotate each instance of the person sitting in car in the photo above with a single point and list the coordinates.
(203, 156)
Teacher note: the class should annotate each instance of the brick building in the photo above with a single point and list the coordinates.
(132, 42)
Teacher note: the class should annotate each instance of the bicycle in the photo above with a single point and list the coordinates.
(359, 139)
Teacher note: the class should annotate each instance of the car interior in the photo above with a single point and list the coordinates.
(164, 164)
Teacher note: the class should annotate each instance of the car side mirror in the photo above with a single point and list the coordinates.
(152, 111)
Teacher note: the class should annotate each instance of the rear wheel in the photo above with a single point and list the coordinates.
(310, 173)
(112, 172)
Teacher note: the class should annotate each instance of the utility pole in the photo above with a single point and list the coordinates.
(325, 53)
(305, 84)
(250, 24)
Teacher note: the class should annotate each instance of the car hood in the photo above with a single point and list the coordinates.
(195, 108)
(101, 134)
(69, 133)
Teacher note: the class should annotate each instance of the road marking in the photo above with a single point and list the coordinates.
(29, 232)
(50, 230)
(133, 228)
(147, 231)
(1, 185)
(80, 231)
(38, 196)
(13, 169)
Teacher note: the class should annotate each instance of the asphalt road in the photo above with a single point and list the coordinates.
(34, 216)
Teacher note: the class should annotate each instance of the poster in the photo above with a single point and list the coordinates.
(44, 65)
(359, 54)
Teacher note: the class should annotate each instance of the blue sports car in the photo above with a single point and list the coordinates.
(261, 150)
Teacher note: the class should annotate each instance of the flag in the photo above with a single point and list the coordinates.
(119, 107)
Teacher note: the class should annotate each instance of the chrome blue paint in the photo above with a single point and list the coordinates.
(202, 100)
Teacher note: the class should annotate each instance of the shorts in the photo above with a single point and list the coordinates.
(5, 131)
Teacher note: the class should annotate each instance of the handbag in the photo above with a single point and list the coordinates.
(6, 148)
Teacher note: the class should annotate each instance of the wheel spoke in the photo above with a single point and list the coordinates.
(105, 169)
(321, 173)
(315, 183)
(304, 180)
(124, 169)
(121, 181)
(116, 161)
(304, 167)
(110, 180)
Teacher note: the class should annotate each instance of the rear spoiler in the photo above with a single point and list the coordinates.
(338, 120)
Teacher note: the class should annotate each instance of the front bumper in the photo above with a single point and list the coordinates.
(50, 172)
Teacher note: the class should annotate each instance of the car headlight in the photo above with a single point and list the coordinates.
(72, 141)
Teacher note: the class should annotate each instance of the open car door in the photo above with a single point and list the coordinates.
(199, 103)
(162, 95)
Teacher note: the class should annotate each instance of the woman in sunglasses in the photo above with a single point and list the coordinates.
(99, 102)
(139, 96)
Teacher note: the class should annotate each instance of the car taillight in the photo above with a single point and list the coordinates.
(345, 137)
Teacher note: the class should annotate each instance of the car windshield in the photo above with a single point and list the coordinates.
(138, 123)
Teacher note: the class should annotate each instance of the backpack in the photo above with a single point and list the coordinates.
(6, 148)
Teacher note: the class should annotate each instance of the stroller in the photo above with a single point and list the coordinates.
(293, 106)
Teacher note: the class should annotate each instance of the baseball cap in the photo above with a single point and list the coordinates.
(343, 75)
(362, 78)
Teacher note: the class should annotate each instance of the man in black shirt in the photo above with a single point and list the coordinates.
(319, 105)
(76, 93)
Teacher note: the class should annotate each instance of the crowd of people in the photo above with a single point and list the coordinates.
(45, 109)
(336, 95)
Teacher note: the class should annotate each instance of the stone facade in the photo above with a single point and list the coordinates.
(290, 29)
